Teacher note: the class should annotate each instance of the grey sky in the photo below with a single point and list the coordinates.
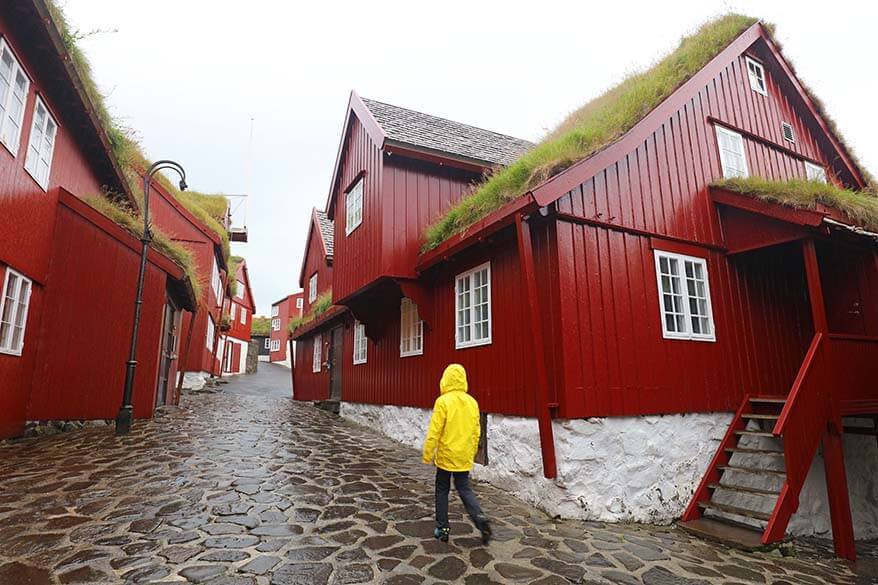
(188, 75)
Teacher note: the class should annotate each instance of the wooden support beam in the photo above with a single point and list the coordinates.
(815, 288)
(837, 491)
(529, 285)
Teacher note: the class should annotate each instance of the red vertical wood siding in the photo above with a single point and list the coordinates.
(284, 312)
(357, 257)
(308, 385)
(240, 330)
(83, 337)
(316, 263)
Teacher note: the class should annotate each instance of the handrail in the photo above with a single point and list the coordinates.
(798, 384)
(853, 337)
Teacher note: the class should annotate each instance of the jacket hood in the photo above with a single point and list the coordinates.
(453, 379)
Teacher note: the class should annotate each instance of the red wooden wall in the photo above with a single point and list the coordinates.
(240, 330)
(83, 337)
(315, 262)
(308, 385)
(177, 223)
(285, 308)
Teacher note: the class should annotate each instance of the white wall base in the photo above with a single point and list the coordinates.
(195, 380)
(628, 469)
(287, 363)
(264, 358)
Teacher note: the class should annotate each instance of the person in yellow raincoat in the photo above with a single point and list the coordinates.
(451, 443)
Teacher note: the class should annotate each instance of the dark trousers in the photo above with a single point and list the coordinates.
(461, 484)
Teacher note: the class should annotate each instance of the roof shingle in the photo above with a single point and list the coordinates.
(426, 131)
(326, 231)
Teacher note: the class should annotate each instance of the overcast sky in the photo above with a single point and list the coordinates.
(189, 75)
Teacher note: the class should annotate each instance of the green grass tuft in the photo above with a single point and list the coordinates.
(591, 128)
(860, 206)
(320, 305)
(125, 218)
(234, 262)
(260, 326)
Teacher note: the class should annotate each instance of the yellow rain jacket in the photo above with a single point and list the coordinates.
(453, 437)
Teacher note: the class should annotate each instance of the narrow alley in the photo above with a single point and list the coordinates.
(245, 486)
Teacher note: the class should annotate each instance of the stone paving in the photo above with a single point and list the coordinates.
(237, 489)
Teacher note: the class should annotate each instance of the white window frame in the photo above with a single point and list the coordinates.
(686, 333)
(471, 308)
(316, 353)
(239, 290)
(42, 153)
(215, 283)
(815, 172)
(792, 131)
(353, 207)
(728, 171)
(275, 310)
(243, 314)
(12, 142)
(411, 329)
(211, 333)
(312, 288)
(275, 324)
(300, 302)
(18, 311)
(275, 345)
(756, 74)
(361, 344)
(268, 343)
(232, 312)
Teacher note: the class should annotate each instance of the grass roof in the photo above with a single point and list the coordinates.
(860, 206)
(209, 209)
(234, 262)
(125, 218)
(591, 128)
(320, 305)
(260, 326)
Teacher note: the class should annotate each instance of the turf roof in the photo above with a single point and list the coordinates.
(861, 207)
(320, 305)
(593, 127)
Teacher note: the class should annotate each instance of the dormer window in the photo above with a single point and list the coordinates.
(756, 73)
(14, 86)
(815, 172)
(354, 207)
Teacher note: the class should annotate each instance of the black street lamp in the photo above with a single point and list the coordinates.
(123, 418)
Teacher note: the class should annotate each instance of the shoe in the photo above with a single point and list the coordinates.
(485, 528)
(441, 534)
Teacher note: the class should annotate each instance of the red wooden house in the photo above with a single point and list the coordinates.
(625, 304)
(68, 273)
(203, 344)
(240, 309)
(282, 312)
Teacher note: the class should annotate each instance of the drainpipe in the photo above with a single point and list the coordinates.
(544, 414)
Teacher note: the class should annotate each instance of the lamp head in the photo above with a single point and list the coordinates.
(183, 185)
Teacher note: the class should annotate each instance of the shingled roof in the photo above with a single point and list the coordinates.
(325, 225)
(438, 134)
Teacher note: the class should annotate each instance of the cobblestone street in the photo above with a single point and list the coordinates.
(236, 488)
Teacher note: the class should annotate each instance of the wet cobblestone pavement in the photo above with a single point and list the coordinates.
(234, 489)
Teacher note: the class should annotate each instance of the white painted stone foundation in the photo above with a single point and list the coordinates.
(621, 469)
(195, 380)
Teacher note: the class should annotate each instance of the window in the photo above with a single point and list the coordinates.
(13, 312)
(473, 307)
(220, 347)
(275, 324)
(312, 288)
(757, 76)
(787, 131)
(815, 172)
(215, 283)
(684, 297)
(360, 343)
(731, 153)
(41, 145)
(268, 343)
(239, 290)
(315, 354)
(243, 315)
(275, 310)
(275, 345)
(353, 207)
(411, 336)
(211, 329)
(14, 86)
(300, 302)
(232, 312)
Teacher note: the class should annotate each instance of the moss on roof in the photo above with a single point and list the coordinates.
(861, 207)
(234, 262)
(593, 127)
(125, 218)
(209, 209)
(320, 305)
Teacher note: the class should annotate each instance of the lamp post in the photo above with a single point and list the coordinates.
(123, 418)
